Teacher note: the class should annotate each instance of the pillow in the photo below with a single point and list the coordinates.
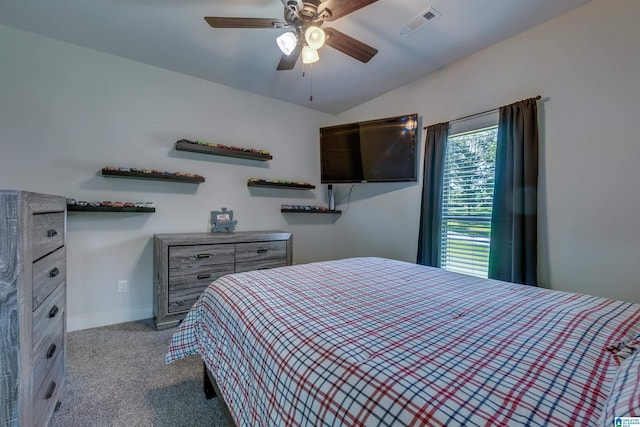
(621, 350)
(624, 396)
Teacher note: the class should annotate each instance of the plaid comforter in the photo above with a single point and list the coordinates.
(371, 341)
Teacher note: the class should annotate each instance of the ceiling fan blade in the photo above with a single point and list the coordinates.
(287, 62)
(225, 22)
(349, 46)
(340, 8)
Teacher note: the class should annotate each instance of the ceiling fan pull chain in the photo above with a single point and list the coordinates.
(304, 73)
(311, 84)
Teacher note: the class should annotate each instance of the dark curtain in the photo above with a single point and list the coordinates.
(431, 209)
(514, 222)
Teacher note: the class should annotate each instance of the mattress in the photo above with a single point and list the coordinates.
(373, 341)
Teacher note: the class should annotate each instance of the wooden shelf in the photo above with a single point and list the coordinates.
(218, 151)
(76, 208)
(312, 209)
(276, 184)
(152, 176)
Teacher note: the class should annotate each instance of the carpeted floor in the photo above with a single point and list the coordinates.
(116, 376)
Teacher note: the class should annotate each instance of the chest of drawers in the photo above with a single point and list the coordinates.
(186, 263)
(32, 306)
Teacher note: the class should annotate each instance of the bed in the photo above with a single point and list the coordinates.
(373, 341)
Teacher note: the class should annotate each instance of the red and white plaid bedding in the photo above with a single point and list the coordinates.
(371, 341)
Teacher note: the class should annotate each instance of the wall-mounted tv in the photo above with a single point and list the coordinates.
(382, 150)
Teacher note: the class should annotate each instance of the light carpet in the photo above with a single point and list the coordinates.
(116, 376)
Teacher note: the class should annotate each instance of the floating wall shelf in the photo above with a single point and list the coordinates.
(310, 209)
(184, 145)
(75, 208)
(254, 182)
(197, 179)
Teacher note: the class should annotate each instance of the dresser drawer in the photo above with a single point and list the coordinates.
(260, 255)
(47, 396)
(184, 289)
(48, 314)
(48, 273)
(199, 256)
(48, 233)
(48, 334)
(192, 269)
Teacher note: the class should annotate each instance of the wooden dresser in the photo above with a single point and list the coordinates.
(32, 306)
(185, 264)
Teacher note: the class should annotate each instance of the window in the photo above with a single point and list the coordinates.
(469, 173)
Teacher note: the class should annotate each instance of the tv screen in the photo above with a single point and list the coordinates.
(382, 150)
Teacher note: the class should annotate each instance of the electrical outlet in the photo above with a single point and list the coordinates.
(123, 286)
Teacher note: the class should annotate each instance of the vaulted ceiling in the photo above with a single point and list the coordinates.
(172, 34)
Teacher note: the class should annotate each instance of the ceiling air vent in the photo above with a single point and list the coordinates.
(419, 21)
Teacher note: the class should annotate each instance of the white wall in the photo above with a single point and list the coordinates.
(586, 65)
(66, 111)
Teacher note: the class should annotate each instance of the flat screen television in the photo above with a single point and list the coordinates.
(382, 150)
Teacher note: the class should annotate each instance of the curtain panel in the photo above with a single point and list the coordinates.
(429, 237)
(514, 223)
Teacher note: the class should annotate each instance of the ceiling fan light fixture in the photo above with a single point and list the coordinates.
(287, 42)
(315, 37)
(309, 55)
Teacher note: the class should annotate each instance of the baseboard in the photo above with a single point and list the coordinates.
(108, 317)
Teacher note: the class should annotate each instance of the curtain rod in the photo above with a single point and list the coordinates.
(480, 113)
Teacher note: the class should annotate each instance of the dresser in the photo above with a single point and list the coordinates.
(32, 306)
(186, 263)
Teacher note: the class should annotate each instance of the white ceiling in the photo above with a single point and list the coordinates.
(172, 34)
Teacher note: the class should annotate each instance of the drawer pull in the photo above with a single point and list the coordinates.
(262, 251)
(54, 272)
(51, 351)
(53, 311)
(204, 276)
(51, 233)
(50, 390)
(204, 255)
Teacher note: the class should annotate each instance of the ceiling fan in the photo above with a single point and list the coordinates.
(305, 18)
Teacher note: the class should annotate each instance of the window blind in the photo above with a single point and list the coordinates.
(468, 180)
